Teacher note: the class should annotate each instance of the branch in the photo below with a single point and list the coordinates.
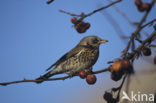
(49, 2)
(138, 50)
(50, 79)
(149, 23)
(82, 16)
(139, 27)
(115, 25)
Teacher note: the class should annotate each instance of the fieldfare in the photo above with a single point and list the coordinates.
(83, 56)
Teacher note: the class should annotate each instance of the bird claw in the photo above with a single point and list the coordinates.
(90, 70)
(71, 75)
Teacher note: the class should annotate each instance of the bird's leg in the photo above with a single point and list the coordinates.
(90, 70)
(70, 74)
(43, 77)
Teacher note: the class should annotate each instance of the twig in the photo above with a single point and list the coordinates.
(152, 45)
(138, 29)
(51, 79)
(138, 50)
(122, 13)
(121, 85)
(149, 23)
(62, 11)
(127, 19)
(119, 88)
(82, 16)
(115, 25)
(49, 2)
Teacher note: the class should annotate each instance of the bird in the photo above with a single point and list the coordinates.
(83, 56)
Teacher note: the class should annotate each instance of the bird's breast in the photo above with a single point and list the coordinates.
(88, 55)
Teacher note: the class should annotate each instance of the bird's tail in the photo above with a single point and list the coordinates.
(45, 76)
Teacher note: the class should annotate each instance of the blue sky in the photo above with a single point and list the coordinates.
(33, 35)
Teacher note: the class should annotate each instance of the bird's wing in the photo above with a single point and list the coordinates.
(68, 55)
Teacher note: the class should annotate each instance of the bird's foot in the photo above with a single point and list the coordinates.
(71, 74)
(90, 70)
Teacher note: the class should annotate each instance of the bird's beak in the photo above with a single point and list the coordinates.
(103, 41)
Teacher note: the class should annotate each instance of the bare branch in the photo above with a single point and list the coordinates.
(50, 79)
(82, 15)
(138, 50)
(139, 27)
(49, 2)
(149, 23)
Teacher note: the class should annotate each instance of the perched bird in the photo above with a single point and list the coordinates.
(83, 56)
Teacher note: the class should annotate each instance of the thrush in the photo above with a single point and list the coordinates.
(83, 56)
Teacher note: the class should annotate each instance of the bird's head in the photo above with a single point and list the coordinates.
(92, 41)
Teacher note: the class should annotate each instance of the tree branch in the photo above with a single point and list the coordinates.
(138, 50)
(82, 15)
(50, 79)
(139, 27)
(149, 23)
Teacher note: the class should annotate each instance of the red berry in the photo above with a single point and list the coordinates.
(127, 66)
(74, 20)
(126, 63)
(116, 75)
(91, 79)
(117, 66)
(146, 51)
(87, 25)
(108, 96)
(138, 3)
(83, 74)
(145, 6)
(141, 9)
(81, 26)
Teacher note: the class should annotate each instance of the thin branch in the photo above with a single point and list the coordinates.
(115, 25)
(133, 24)
(101, 9)
(49, 2)
(50, 79)
(82, 16)
(138, 50)
(62, 11)
(152, 45)
(138, 29)
(149, 23)
(119, 88)
(122, 13)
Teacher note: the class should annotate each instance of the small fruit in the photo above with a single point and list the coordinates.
(126, 63)
(138, 3)
(116, 75)
(81, 26)
(145, 6)
(141, 9)
(74, 20)
(108, 96)
(117, 66)
(127, 66)
(81, 30)
(154, 60)
(87, 25)
(83, 74)
(146, 51)
(91, 79)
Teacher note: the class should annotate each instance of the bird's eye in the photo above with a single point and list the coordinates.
(95, 41)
